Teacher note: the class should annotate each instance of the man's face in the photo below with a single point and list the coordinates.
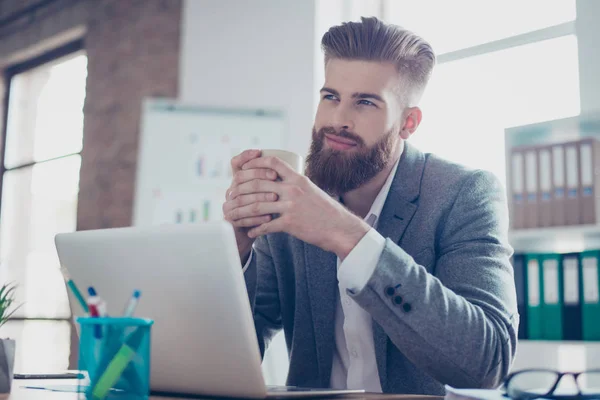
(357, 124)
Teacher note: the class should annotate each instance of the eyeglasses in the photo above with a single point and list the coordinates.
(531, 384)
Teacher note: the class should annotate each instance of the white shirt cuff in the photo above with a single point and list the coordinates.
(358, 267)
(248, 262)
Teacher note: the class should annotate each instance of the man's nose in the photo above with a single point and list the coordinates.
(343, 119)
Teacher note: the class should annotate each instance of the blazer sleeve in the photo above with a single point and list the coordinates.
(459, 325)
(263, 293)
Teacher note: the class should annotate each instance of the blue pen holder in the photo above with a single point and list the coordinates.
(115, 352)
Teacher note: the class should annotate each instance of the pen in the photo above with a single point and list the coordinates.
(41, 388)
(97, 309)
(132, 304)
(71, 285)
(97, 301)
(97, 328)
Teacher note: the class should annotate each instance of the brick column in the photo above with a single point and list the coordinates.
(133, 52)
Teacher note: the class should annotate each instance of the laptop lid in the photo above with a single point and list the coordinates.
(190, 276)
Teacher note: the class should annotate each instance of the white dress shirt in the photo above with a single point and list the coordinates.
(354, 364)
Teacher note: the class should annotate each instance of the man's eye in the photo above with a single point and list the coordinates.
(366, 103)
(328, 97)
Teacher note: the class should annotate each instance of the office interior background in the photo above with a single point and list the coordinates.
(75, 75)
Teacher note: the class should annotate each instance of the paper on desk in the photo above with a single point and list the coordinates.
(471, 394)
(486, 394)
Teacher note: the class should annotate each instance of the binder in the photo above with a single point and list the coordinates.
(572, 182)
(590, 307)
(589, 153)
(517, 217)
(544, 167)
(558, 186)
(518, 262)
(534, 309)
(531, 188)
(552, 299)
(571, 297)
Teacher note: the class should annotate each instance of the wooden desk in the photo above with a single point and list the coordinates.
(21, 393)
(43, 346)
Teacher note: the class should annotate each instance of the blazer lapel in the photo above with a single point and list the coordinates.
(321, 272)
(399, 208)
(401, 202)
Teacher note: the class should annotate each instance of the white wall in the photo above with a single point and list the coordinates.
(252, 54)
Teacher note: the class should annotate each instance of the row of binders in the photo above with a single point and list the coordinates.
(555, 184)
(557, 295)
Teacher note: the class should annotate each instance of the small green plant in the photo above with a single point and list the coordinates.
(7, 298)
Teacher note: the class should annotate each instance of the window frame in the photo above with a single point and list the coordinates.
(8, 74)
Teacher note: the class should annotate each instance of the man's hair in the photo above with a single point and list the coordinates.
(373, 40)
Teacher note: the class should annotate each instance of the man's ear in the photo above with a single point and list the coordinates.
(412, 120)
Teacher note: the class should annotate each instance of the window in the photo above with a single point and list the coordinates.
(469, 102)
(40, 178)
(524, 69)
(458, 24)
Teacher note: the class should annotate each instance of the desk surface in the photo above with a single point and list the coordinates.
(19, 392)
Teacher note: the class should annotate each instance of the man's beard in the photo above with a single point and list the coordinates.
(338, 172)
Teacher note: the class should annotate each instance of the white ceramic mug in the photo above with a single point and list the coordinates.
(292, 159)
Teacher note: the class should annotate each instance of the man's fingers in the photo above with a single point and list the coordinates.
(283, 169)
(244, 176)
(255, 186)
(255, 210)
(252, 221)
(246, 199)
(243, 158)
(276, 225)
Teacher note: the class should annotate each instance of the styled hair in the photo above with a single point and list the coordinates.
(373, 40)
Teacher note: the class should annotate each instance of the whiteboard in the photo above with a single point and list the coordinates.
(184, 158)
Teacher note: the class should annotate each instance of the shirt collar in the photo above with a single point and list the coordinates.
(377, 206)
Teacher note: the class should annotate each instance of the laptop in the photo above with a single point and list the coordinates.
(192, 284)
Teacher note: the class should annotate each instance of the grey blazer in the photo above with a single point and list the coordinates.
(446, 246)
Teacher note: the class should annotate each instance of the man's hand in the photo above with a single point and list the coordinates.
(305, 211)
(244, 224)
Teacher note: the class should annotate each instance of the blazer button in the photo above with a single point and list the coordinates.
(390, 290)
(407, 307)
(398, 300)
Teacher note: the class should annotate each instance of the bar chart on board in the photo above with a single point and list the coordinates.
(184, 158)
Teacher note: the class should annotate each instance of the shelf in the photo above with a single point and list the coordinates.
(553, 131)
(561, 355)
(595, 345)
(565, 239)
(557, 239)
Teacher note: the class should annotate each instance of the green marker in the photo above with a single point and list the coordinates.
(115, 368)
